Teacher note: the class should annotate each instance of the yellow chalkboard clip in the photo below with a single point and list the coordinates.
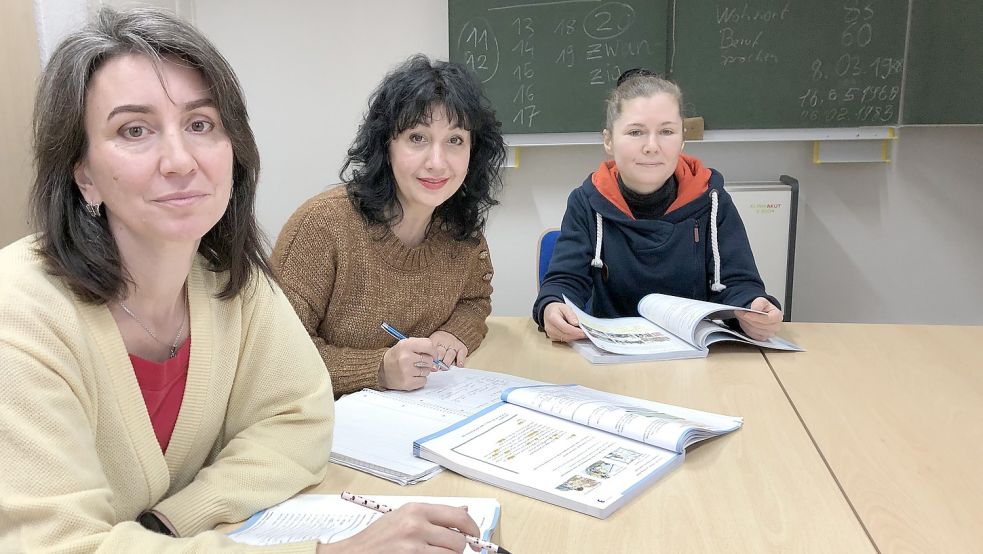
(511, 157)
(852, 151)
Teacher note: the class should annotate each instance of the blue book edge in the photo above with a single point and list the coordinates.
(248, 523)
(418, 442)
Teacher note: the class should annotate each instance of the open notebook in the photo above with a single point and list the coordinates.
(327, 518)
(374, 430)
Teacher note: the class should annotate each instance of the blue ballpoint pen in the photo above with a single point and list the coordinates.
(400, 336)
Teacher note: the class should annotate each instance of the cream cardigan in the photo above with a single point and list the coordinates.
(78, 456)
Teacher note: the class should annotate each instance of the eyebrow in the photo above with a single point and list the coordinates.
(141, 108)
(637, 124)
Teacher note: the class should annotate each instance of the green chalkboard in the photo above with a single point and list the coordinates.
(944, 81)
(790, 64)
(760, 64)
(547, 66)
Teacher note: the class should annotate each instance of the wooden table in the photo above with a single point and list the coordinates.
(763, 488)
(897, 412)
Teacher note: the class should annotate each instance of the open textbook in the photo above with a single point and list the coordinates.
(572, 446)
(670, 328)
(366, 438)
(327, 518)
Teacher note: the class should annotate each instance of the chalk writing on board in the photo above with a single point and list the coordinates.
(544, 62)
(524, 51)
(609, 20)
(744, 35)
(479, 46)
(862, 103)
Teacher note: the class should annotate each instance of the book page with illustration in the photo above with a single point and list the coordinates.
(662, 425)
(629, 335)
(548, 458)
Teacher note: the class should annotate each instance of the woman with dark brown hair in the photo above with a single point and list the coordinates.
(155, 378)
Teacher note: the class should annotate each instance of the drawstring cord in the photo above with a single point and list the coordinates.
(596, 262)
(716, 286)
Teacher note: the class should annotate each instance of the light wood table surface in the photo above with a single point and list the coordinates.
(897, 412)
(763, 488)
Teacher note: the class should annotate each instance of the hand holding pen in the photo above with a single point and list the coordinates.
(447, 518)
(407, 364)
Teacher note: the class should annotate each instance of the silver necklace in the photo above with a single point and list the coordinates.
(177, 338)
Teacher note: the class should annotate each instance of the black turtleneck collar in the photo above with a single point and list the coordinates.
(652, 205)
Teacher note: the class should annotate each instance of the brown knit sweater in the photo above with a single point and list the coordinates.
(345, 278)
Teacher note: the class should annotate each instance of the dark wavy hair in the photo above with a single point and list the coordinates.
(80, 248)
(406, 97)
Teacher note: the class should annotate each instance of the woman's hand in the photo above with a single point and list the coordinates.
(406, 365)
(761, 326)
(411, 528)
(561, 323)
(449, 349)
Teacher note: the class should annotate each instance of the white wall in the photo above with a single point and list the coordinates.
(895, 242)
(308, 68)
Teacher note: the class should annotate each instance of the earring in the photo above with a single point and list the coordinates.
(93, 209)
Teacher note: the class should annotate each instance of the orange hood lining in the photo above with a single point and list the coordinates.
(691, 175)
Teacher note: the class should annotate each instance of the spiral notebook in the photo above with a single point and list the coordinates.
(327, 518)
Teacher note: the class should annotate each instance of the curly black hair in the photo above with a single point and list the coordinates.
(405, 98)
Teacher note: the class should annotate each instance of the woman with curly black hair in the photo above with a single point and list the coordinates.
(401, 242)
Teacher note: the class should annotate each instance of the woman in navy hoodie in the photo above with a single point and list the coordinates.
(651, 220)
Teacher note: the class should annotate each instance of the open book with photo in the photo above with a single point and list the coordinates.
(669, 328)
(579, 448)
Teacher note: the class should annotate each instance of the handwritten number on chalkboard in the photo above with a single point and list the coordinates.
(524, 49)
(565, 27)
(885, 67)
(848, 65)
(524, 94)
(817, 73)
(523, 24)
(853, 12)
(524, 71)
(526, 115)
(609, 20)
(861, 36)
(475, 62)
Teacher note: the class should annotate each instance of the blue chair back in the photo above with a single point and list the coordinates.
(546, 243)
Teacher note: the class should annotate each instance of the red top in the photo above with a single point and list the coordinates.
(162, 385)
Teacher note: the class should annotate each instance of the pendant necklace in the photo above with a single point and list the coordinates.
(177, 338)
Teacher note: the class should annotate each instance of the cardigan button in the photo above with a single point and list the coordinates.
(487, 276)
(483, 255)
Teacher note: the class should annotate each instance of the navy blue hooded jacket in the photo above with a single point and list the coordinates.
(670, 255)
